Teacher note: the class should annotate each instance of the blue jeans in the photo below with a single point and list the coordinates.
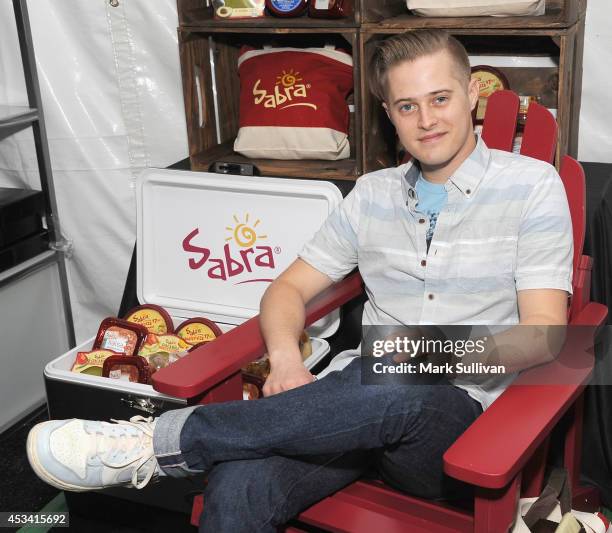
(271, 458)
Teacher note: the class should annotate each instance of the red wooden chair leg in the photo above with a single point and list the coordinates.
(533, 473)
(494, 510)
(226, 391)
(583, 498)
(573, 442)
(196, 510)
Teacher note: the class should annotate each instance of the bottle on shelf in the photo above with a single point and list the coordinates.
(286, 8)
(238, 9)
(332, 9)
(524, 101)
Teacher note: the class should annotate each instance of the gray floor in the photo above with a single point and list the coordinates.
(22, 490)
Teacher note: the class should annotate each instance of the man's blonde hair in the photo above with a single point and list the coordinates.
(409, 46)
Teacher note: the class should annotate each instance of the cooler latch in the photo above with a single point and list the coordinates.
(142, 404)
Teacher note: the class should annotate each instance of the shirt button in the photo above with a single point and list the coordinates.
(423, 262)
(421, 221)
(430, 296)
(468, 191)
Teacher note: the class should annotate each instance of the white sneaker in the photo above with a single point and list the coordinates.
(79, 455)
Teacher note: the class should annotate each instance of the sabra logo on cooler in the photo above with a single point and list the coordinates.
(233, 262)
(286, 90)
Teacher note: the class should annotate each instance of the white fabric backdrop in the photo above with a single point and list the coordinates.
(595, 139)
(112, 97)
(110, 82)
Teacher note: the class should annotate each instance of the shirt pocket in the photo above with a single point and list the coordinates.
(483, 256)
(389, 252)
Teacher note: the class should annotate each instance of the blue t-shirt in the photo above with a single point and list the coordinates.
(432, 199)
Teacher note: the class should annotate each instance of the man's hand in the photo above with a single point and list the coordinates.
(282, 322)
(286, 376)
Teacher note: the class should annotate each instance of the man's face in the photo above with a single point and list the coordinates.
(430, 106)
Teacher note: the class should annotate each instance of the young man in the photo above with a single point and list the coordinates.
(467, 235)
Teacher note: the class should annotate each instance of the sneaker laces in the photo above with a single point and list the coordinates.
(143, 462)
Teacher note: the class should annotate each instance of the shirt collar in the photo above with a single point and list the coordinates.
(466, 178)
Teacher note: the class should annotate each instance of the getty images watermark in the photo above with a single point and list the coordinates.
(480, 354)
(426, 353)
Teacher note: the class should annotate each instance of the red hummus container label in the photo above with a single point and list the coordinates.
(120, 336)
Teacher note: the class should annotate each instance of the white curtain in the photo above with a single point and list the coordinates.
(595, 138)
(112, 98)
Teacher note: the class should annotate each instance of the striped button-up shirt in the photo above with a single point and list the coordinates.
(506, 227)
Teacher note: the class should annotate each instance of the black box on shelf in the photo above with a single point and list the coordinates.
(24, 249)
(21, 214)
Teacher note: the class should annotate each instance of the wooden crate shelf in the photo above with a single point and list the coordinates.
(407, 21)
(394, 14)
(266, 31)
(551, 32)
(558, 86)
(343, 169)
(269, 23)
(194, 13)
(211, 88)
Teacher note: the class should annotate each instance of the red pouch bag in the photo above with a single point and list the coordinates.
(293, 103)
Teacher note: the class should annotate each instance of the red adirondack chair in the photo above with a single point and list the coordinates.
(503, 453)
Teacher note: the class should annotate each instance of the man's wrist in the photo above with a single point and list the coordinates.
(287, 355)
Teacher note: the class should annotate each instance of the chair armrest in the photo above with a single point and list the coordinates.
(593, 314)
(216, 361)
(492, 451)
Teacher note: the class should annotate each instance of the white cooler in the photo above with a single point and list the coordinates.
(207, 245)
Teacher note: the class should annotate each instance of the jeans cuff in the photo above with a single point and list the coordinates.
(167, 442)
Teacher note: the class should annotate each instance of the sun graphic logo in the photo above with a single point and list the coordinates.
(289, 86)
(288, 79)
(249, 258)
(243, 234)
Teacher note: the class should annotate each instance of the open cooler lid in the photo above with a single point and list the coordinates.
(210, 244)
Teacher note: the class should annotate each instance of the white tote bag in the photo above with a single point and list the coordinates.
(553, 509)
(476, 8)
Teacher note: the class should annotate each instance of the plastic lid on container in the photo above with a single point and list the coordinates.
(210, 244)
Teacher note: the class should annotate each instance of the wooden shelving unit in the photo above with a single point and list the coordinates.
(209, 50)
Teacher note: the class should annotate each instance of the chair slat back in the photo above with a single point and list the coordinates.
(499, 124)
(540, 134)
(499, 127)
(572, 175)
